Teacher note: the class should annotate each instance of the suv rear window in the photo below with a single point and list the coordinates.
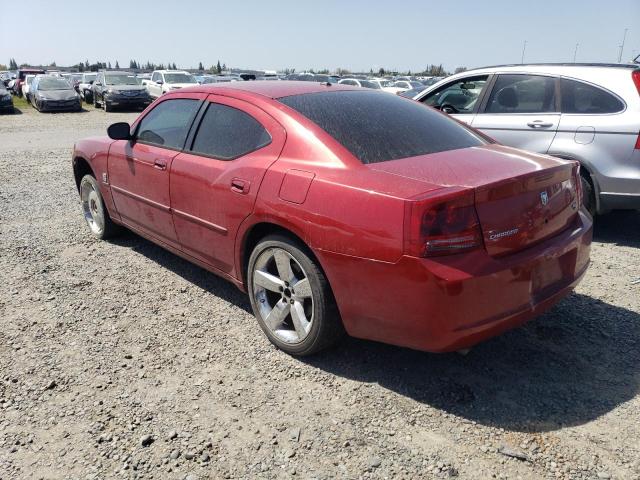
(579, 97)
(377, 126)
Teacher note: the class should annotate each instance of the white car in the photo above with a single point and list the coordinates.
(405, 85)
(163, 81)
(26, 85)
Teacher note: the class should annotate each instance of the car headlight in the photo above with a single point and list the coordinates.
(109, 91)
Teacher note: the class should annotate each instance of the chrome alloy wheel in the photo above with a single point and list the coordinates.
(92, 207)
(283, 295)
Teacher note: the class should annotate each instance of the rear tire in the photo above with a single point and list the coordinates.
(588, 195)
(95, 213)
(291, 297)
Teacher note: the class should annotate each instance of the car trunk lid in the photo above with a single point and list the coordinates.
(521, 198)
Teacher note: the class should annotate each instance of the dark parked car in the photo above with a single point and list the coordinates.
(49, 93)
(6, 102)
(119, 89)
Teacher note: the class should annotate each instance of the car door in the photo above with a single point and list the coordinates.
(214, 183)
(521, 111)
(139, 169)
(460, 98)
(154, 87)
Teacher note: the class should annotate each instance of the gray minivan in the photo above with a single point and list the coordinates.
(585, 112)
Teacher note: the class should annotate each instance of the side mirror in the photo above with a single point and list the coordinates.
(90, 82)
(159, 82)
(119, 131)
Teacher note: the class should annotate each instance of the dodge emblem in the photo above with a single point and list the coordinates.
(544, 198)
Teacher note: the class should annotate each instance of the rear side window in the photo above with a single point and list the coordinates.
(377, 126)
(227, 133)
(168, 123)
(579, 97)
(522, 94)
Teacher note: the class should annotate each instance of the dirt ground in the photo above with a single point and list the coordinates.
(120, 360)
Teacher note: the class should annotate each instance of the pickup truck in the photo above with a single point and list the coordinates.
(163, 81)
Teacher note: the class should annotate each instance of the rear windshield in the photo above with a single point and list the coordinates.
(379, 126)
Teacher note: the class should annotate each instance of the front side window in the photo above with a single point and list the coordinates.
(155, 77)
(376, 127)
(522, 94)
(168, 123)
(460, 96)
(227, 133)
(582, 98)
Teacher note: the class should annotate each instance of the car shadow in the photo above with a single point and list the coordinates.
(620, 227)
(575, 363)
(190, 272)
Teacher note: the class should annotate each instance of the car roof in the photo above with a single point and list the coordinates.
(521, 65)
(271, 89)
(117, 72)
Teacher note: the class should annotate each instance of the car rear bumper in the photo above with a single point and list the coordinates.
(449, 303)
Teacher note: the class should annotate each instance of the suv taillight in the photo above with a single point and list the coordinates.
(442, 225)
(636, 79)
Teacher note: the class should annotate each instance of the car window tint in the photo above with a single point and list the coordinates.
(226, 133)
(375, 126)
(460, 96)
(522, 94)
(579, 97)
(168, 123)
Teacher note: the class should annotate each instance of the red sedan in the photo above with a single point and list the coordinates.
(343, 209)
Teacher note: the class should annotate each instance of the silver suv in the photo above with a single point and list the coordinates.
(585, 112)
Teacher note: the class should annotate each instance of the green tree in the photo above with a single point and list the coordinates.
(117, 65)
(218, 67)
(200, 66)
(382, 72)
(109, 67)
(13, 65)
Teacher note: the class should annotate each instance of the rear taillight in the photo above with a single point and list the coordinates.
(638, 142)
(442, 225)
(636, 79)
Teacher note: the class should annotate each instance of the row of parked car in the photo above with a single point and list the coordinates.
(112, 89)
(584, 112)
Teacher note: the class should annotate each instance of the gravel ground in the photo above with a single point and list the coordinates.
(120, 360)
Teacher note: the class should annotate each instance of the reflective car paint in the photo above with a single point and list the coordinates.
(352, 218)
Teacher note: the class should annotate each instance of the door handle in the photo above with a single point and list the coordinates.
(240, 186)
(159, 164)
(540, 124)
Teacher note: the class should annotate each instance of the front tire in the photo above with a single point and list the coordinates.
(95, 213)
(291, 298)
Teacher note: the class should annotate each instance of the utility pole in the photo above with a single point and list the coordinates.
(524, 48)
(575, 52)
(624, 37)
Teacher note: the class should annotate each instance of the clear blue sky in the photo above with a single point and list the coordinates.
(352, 34)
